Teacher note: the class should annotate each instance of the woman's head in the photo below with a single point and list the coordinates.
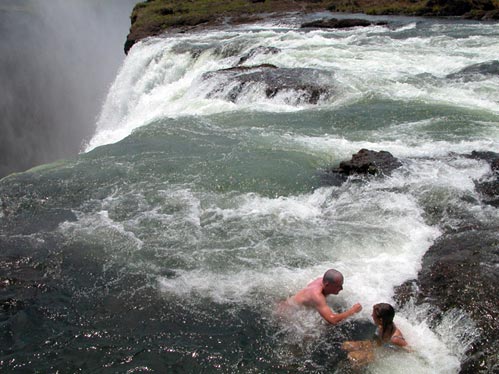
(383, 314)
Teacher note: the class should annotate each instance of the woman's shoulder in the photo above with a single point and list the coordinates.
(397, 338)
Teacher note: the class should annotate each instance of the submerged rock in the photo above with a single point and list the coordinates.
(477, 71)
(488, 186)
(491, 157)
(260, 50)
(305, 85)
(334, 23)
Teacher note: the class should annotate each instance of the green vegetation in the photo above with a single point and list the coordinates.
(155, 16)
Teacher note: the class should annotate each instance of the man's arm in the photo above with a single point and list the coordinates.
(335, 318)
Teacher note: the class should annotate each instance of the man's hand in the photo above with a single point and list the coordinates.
(356, 308)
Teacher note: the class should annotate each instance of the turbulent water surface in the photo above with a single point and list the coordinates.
(200, 202)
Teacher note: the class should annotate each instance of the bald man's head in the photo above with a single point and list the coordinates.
(332, 282)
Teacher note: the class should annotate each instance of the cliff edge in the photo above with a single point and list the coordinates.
(154, 17)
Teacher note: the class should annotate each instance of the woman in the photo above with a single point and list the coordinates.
(387, 335)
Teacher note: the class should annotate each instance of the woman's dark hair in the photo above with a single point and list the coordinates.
(385, 313)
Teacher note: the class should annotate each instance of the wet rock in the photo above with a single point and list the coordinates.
(334, 23)
(332, 178)
(260, 50)
(488, 186)
(11, 305)
(479, 71)
(461, 270)
(368, 162)
(305, 85)
(242, 69)
(489, 190)
(491, 158)
(26, 222)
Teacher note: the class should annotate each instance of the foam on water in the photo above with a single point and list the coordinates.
(343, 148)
(160, 77)
(253, 251)
(198, 244)
(321, 229)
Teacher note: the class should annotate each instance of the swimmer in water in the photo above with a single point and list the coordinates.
(387, 335)
(315, 293)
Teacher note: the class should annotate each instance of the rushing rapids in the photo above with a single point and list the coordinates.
(199, 203)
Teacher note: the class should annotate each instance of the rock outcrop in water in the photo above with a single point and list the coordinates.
(482, 70)
(461, 270)
(302, 84)
(364, 162)
(488, 187)
(261, 50)
(334, 23)
(368, 162)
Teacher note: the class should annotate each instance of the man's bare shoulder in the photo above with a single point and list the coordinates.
(311, 295)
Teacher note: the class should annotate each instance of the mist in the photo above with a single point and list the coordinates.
(57, 60)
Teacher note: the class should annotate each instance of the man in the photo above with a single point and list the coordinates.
(314, 295)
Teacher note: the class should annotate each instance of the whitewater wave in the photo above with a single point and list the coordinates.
(163, 77)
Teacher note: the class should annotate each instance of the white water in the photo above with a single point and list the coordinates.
(249, 249)
(375, 235)
(160, 77)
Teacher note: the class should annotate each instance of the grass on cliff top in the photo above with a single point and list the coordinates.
(162, 14)
(167, 13)
(154, 16)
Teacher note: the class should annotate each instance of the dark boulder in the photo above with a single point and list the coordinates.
(477, 71)
(488, 186)
(461, 270)
(364, 162)
(240, 69)
(489, 190)
(369, 162)
(260, 50)
(308, 85)
(334, 23)
(492, 158)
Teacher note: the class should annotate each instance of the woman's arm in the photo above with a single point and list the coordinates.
(399, 340)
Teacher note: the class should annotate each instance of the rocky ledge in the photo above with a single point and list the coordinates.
(306, 85)
(461, 269)
(154, 17)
